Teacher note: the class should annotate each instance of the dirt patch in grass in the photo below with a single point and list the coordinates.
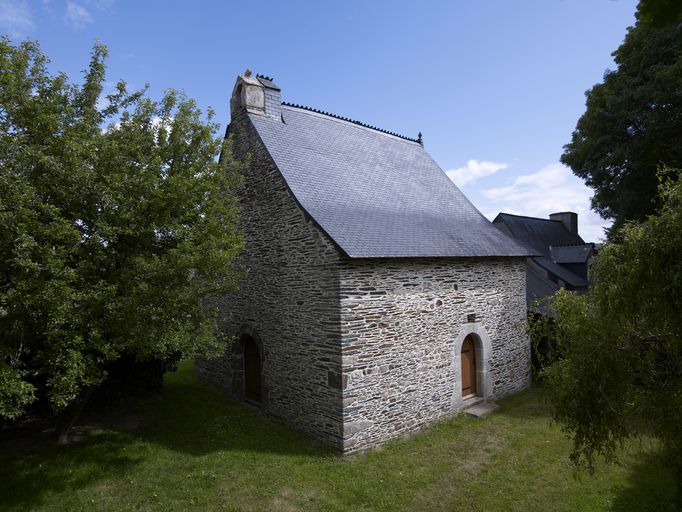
(457, 461)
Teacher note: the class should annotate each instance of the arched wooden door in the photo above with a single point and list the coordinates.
(468, 359)
(252, 370)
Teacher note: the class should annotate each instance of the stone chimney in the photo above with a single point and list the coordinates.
(258, 95)
(568, 219)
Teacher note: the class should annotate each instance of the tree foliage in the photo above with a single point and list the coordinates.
(117, 223)
(659, 13)
(616, 370)
(633, 122)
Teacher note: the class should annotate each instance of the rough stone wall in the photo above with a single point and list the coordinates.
(403, 322)
(289, 297)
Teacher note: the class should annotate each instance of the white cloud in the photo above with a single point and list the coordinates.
(76, 15)
(474, 170)
(16, 17)
(551, 189)
(101, 5)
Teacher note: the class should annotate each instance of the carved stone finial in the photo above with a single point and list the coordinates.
(419, 139)
(248, 72)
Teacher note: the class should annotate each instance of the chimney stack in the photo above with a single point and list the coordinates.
(258, 95)
(568, 219)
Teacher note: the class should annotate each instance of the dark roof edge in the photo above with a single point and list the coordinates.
(440, 256)
(317, 111)
(267, 82)
(527, 217)
(572, 245)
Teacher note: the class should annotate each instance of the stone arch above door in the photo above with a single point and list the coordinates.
(483, 348)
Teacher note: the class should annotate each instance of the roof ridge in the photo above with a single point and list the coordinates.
(418, 140)
(529, 217)
(571, 245)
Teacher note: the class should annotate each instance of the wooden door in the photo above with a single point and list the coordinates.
(468, 367)
(252, 371)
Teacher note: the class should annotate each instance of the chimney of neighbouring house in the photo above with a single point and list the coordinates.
(568, 219)
(258, 95)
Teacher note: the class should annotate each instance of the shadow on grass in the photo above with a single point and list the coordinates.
(191, 417)
(650, 484)
(188, 417)
(527, 404)
(650, 487)
(35, 467)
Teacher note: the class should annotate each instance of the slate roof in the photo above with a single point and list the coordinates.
(538, 288)
(555, 246)
(267, 82)
(571, 253)
(376, 194)
(562, 273)
(538, 234)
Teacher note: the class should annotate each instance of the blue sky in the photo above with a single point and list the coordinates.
(495, 86)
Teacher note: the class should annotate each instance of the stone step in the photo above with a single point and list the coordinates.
(481, 409)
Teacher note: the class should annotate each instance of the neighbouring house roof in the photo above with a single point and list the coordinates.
(564, 274)
(571, 253)
(376, 194)
(537, 289)
(560, 253)
(538, 234)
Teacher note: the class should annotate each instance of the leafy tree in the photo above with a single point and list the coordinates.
(633, 121)
(659, 12)
(616, 370)
(117, 224)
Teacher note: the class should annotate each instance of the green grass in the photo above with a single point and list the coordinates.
(191, 448)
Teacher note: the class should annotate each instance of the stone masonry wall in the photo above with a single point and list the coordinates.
(289, 298)
(403, 323)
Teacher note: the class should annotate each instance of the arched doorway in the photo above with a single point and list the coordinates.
(471, 366)
(252, 370)
(468, 360)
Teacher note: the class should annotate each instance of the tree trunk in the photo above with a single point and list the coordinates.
(67, 419)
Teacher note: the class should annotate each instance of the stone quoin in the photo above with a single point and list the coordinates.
(367, 270)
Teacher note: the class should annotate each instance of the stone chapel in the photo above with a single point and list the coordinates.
(377, 299)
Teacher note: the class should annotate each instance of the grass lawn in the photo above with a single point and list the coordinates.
(191, 448)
